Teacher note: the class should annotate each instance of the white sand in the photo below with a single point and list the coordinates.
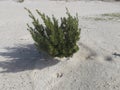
(94, 67)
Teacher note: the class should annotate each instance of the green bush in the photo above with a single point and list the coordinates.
(54, 38)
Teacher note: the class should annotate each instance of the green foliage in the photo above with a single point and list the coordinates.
(54, 39)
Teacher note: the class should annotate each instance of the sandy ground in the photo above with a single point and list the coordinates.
(96, 66)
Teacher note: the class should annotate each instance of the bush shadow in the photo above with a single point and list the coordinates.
(24, 57)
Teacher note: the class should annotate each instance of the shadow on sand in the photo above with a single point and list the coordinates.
(24, 57)
(92, 54)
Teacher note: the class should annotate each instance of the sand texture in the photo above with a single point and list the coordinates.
(96, 66)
